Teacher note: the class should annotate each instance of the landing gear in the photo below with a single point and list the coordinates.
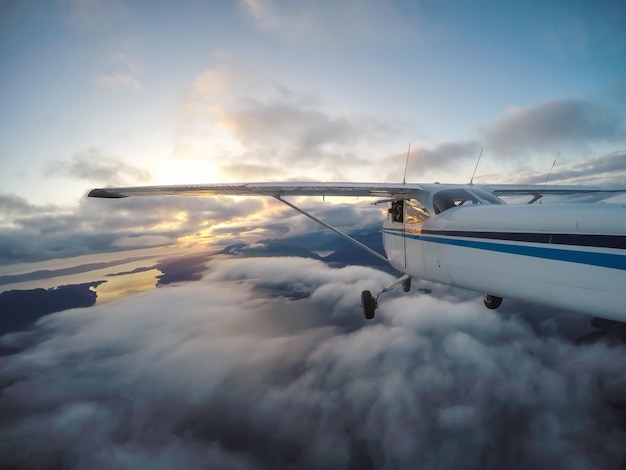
(370, 303)
(611, 331)
(492, 302)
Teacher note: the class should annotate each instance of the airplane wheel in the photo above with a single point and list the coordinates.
(406, 285)
(369, 304)
(492, 302)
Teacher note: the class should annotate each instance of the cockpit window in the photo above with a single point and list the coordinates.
(414, 212)
(449, 198)
(408, 211)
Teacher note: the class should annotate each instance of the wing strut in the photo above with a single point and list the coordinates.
(336, 230)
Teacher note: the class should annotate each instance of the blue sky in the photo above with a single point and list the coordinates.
(99, 93)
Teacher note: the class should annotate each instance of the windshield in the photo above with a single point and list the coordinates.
(487, 196)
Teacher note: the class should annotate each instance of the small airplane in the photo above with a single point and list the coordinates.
(570, 256)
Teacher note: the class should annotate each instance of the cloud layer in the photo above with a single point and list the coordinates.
(218, 374)
(30, 232)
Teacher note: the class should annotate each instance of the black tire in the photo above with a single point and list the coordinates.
(492, 302)
(406, 285)
(369, 304)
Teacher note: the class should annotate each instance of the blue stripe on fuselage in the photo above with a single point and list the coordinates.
(607, 260)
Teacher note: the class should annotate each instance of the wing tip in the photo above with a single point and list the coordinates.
(103, 193)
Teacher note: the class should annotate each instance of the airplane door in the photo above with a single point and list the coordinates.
(393, 235)
(414, 215)
(404, 205)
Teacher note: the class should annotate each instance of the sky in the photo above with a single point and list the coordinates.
(115, 92)
(213, 332)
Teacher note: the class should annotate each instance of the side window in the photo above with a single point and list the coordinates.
(449, 198)
(414, 212)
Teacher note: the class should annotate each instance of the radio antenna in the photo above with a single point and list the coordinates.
(406, 165)
(550, 172)
(476, 167)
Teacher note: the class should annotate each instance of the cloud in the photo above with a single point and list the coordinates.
(218, 374)
(251, 172)
(131, 63)
(270, 122)
(443, 158)
(607, 169)
(574, 127)
(127, 77)
(94, 165)
(11, 204)
(120, 81)
(292, 130)
(101, 226)
(32, 233)
(552, 126)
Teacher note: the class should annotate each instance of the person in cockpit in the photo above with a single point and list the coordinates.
(396, 211)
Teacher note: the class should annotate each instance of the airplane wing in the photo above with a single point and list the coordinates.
(541, 190)
(264, 189)
(380, 190)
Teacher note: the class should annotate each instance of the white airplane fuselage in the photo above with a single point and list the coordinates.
(566, 256)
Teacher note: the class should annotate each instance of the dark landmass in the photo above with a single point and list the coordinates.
(190, 268)
(48, 273)
(21, 308)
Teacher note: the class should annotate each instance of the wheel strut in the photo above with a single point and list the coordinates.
(370, 303)
(491, 301)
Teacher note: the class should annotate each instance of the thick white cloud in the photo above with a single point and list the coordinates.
(218, 374)
(32, 232)
(42, 232)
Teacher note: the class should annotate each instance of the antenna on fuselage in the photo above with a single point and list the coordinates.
(476, 167)
(552, 168)
(406, 165)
